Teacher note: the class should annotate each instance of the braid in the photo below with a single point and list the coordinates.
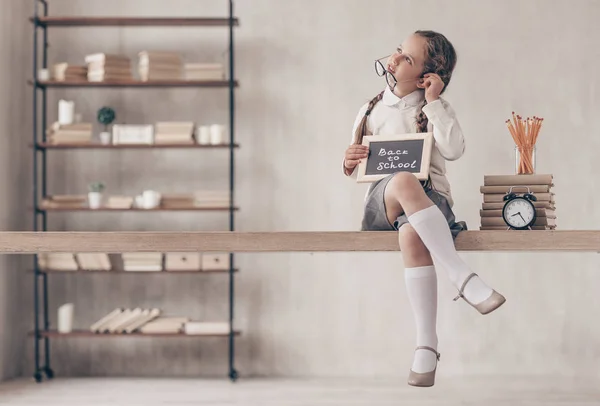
(422, 120)
(362, 126)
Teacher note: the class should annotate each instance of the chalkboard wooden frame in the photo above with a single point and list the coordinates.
(423, 173)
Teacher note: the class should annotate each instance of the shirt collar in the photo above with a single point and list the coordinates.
(411, 99)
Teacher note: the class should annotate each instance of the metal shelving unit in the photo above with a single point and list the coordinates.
(42, 333)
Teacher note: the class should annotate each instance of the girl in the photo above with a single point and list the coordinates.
(417, 73)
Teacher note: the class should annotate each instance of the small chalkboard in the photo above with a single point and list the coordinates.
(396, 153)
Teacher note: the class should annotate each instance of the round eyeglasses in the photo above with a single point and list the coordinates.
(381, 71)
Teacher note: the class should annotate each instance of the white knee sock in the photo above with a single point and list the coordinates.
(432, 227)
(421, 286)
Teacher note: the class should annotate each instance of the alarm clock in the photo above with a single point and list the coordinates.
(519, 212)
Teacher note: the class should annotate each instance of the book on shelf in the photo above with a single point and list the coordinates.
(164, 325)
(93, 261)
(203, 71)
(76, 133)
(517, 180)
(142, 261)
(119, 202)
(206, 328)
(57, 261)
(160, 65)
(174, 132)
(499, 197)
(66, 72)
(496, 187)
(108, 67)
(132, 134)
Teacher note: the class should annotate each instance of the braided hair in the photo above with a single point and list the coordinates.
(440, 58)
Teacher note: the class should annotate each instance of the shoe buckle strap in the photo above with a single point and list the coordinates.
(424, 347)
(462, 288)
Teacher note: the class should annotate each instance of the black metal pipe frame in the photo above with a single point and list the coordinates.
(37, 373)
(47, 368)
(232, 372)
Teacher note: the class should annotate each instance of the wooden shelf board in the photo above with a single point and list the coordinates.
(27, 242)
(46, 145)
(108, 209)
(104, 21)
(89, 334)
(122, 272)
(135, 83)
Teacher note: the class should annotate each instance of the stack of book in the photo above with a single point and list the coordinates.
(64, 202)
(203, 71)
(495, 187)
(122, 320)
(206, 328)
(108, 67)
(164, 325)
(211, 198)
(177, 200)
(155, 65)
(174, 132)
(93, 261)
(142, 261)
(77, 133)
(57, 261)
(65, 72)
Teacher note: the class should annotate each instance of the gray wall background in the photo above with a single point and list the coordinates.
(305, 68)
(15, 136)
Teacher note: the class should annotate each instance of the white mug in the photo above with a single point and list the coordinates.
(204, 135)
(43, 74)
(65, 318)
(151, 199)
(217, 134)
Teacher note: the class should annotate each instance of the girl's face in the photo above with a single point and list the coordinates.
(407, 64)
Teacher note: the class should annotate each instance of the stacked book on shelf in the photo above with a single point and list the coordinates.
(142, 261)
(199, 199)
(93, 261)
(76, 133)
(108, 67)
(495, 187)
(174, 132)
(60, 261)
(72, 73)
(64, 202)
(135, 262)
(203, 71)
(160, 65)
(149, 321)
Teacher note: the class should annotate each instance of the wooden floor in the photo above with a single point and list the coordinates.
(271, 392)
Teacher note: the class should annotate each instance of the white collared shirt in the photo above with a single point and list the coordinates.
(394, 115)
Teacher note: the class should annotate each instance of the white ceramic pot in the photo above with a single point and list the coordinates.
(105, 137)
(95, 200)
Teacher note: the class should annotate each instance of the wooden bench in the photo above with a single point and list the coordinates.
(303, 241)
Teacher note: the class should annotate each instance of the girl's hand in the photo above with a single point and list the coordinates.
(433, 86)
(354, 154)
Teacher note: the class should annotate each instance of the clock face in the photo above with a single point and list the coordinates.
(519, 213)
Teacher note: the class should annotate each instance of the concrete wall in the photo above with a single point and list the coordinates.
(15, 135)
(305, 68)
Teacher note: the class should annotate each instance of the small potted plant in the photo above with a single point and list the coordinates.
(95, 195)
(106, 116)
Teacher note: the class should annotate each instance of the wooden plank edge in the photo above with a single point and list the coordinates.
(90, 334)
(302, 241)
